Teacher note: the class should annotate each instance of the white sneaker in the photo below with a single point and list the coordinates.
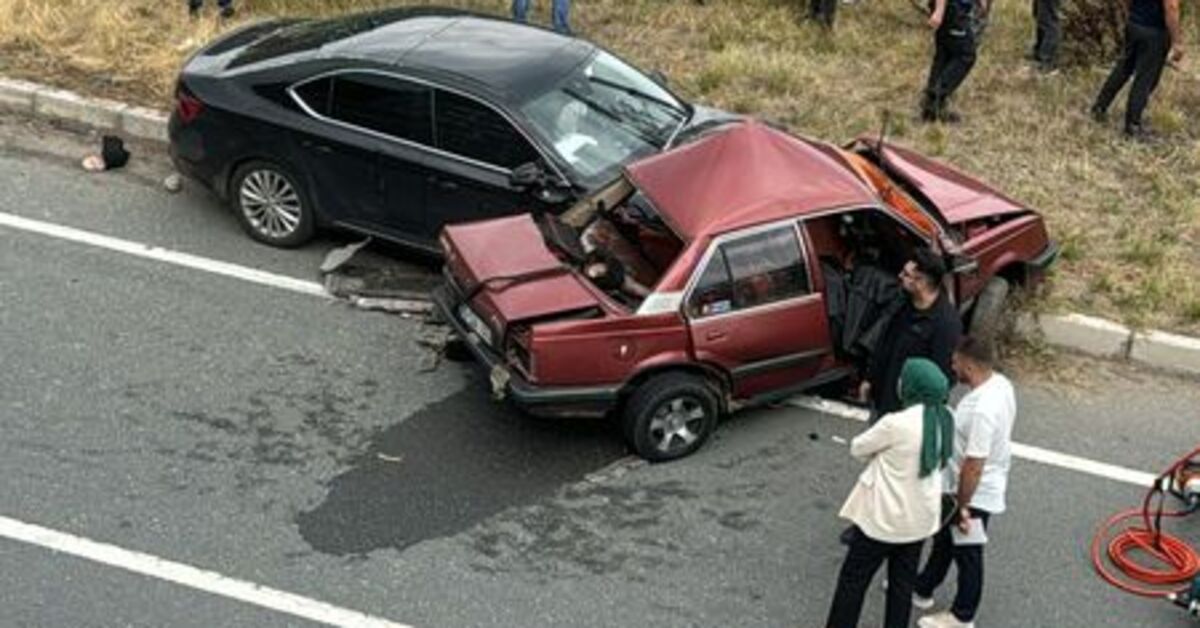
(923, 603)
(944, 619)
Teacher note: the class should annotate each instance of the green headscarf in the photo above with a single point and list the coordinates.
(921, 381)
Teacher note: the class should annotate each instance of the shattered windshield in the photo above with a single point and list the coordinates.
(603, 115)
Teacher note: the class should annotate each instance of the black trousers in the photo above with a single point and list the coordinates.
(196, 4)
(823, 11)
(863, 559)
(1143, 58)
(968, 559)
(953, 58)
(1049, 31)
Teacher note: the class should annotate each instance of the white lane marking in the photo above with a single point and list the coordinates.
(1026, 452)
(160, 254)
(192, 577)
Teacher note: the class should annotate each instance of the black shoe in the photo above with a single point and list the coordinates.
(1098, 115)
(193, 10)
(1140, 133)
(227, 12)
(950, 117)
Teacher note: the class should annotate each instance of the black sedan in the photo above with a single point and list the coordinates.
(397, 122)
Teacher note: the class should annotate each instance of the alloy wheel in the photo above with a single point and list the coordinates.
(676, 424)
(270, 204)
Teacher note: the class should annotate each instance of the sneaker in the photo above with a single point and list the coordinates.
(1098, 115)
(1140, 133)
(944, 619)
(922, 603)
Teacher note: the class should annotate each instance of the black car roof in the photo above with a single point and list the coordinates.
(511, 60)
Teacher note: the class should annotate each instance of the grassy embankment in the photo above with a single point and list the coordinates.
(1127, 215)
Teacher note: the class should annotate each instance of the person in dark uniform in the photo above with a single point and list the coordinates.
(226, 7)
(1046, 15)
(1152, 39)
(927, 326)
(823, 12)
(954, 37)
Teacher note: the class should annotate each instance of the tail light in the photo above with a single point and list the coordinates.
(187, 105)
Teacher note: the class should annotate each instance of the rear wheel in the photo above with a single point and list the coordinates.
(271, 204)
(670, 416)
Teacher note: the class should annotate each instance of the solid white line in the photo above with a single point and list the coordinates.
(192, 577)
(160, 254)
(1026, 452)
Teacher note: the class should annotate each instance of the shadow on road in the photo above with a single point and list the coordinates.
(449, 466)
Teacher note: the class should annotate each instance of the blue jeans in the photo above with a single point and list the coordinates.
(560, 12)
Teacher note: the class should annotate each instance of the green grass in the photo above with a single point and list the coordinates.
(1128, 215)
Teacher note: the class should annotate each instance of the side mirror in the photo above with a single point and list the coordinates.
(527, 175)
(658, 77)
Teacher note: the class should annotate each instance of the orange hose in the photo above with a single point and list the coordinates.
(1175, 562)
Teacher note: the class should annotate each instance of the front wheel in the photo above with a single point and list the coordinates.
(990, 317)
(271, 204)
(670, 416)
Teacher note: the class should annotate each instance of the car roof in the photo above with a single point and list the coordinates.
(749, 174)
(512, 61)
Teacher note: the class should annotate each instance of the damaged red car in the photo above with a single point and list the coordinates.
(739, 269)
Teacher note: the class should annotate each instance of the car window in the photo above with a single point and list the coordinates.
(713, 293)
(387, 105)
(749, 271)
(316, 95)
(471, 129)
(766, 267)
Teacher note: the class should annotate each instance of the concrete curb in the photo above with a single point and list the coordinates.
(1074, 332)
(76, 110)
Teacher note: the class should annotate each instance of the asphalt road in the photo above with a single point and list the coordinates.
(297, 443)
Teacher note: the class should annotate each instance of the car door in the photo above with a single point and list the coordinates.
(398, 115)
(753, 311)
(341, 159)
(468, 177)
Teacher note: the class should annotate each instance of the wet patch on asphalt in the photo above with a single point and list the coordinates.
(449, 466)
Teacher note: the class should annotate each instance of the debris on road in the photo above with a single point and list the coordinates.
(173, 183)
(407, 307)
(112, 155)
(338, 257)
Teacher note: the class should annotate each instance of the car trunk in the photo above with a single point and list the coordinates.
(509, 275)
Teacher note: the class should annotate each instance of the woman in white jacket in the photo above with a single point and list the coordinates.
(896, 503)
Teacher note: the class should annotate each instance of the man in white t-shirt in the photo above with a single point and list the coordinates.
(978, 478)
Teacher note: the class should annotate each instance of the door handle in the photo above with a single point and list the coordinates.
(443, 184)
(320, 148)
(715, 335)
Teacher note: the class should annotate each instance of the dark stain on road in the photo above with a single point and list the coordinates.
(449, 466)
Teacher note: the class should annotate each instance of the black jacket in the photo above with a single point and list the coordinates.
(912, 333)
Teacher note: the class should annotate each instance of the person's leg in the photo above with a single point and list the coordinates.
(1049, 29)
(968, 560)
(1120, 74)
(931, 101)
(902, 573)
(562, 16)
(862, 561)
(961, 40)
(937, 565)
(520, 9)
(1152, 56)
(194, 5)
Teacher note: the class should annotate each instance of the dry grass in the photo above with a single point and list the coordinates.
(1127, 215)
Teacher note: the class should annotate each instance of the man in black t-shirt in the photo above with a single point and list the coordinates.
(927, 326)
(1152, 39)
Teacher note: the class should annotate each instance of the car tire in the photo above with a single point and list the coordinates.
(989, 316)
(670, 416)
(272, 205)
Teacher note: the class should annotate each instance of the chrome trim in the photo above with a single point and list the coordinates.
(291, 90)
(794, 222)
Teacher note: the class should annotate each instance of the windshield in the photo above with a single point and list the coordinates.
(603, 115)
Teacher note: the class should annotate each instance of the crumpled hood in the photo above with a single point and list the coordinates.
(958, 197)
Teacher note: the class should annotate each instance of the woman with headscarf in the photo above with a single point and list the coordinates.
(896, 503)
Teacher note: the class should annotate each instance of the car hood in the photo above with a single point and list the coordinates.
(509, 275)
(958, 197)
